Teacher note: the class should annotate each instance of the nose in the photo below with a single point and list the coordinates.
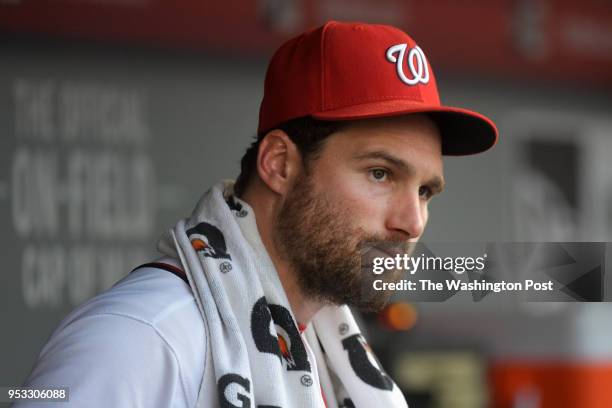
(408, 216)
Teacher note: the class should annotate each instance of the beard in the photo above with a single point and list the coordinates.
(320, 240)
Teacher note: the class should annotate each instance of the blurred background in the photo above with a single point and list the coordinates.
(116, 115)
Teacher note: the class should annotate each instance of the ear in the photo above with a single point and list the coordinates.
(278, 161)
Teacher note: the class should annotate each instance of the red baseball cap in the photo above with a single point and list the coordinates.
(344, 71)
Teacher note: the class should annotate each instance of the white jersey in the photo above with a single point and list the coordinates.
(142, 343)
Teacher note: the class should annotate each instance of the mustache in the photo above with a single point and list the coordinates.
(395, 237)
(386, 247)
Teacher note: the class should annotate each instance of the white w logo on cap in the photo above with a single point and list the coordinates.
(417, 63)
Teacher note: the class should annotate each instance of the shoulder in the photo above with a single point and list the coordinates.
(150, 297)
(145, 331)
(148, 294)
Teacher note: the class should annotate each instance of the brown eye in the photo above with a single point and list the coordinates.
(425, 192)
(379, 174)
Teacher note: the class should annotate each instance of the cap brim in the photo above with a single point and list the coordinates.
(463, 131)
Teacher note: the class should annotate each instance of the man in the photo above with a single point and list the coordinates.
(349, 151)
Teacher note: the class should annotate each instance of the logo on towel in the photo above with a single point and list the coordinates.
(365, 364)
(208, 240)
(234, 389)
(236, 206)
(416, 62)
(347, 403)
(275, 332)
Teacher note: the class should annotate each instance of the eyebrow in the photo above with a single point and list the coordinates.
(436, 182)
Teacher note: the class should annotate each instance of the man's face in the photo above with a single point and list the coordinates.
(371, 182)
